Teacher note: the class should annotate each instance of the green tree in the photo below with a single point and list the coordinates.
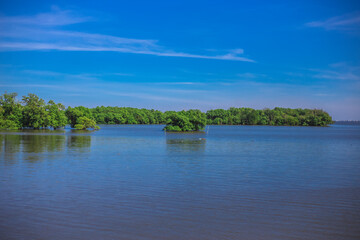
(184, 121)
(56, 115)
(178, 122)
(197, 119)
(10, 111)
(74, 114)
(34, 113)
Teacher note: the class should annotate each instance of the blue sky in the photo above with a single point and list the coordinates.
(174, 55)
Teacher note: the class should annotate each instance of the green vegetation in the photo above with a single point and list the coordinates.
(32, 112)
(127, 115)
(185, 121)
(56, 115)
(193, 120)
(10, 112)
(85, 123)
(80, 118)
(274, 117)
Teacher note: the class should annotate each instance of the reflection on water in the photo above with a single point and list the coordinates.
(186, 150)
(38, 145)
(42, 143)
(185, 142)
(10, 145)
(79, 143)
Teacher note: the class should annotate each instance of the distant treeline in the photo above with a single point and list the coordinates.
(232, 116)
(33, 112)
(275, 117)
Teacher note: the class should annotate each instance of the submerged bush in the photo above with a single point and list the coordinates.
(85, 123)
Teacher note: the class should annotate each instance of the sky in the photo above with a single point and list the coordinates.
(175, 55)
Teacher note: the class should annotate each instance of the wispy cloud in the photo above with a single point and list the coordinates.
(56, 17)
(184, 91)
(153, 97)
(323, 95)
(63, 76)
(326, 74)
(68, 75)
(41, 32)
(31, 86)
(348, 22)
(294, 74)
(178, 83)
(43, 73)
(338, 71)
(250, 75)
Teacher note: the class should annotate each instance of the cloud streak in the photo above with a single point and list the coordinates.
(41, 33)
(348, 22)
(339, 71)
(56, 17)
(80, 75)
(250, 75)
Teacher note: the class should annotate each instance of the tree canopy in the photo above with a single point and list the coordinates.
(10, 111)
(185, 121)
(32, 112)
(85, 123)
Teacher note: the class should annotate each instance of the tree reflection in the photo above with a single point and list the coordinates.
(186, 151)
(42, 145)
(185, 142)
(79, 143)
(10, 146)
(35, 147)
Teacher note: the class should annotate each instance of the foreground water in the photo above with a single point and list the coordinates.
(135, 182)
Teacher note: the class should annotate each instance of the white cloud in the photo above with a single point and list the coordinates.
(41, 33)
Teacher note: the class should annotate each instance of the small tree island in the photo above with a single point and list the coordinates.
(186, 121)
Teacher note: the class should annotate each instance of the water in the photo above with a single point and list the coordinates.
(135, 182)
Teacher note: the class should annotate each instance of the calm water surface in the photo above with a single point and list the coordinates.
(135, 182)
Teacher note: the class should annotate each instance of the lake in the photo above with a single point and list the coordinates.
(136, 182)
